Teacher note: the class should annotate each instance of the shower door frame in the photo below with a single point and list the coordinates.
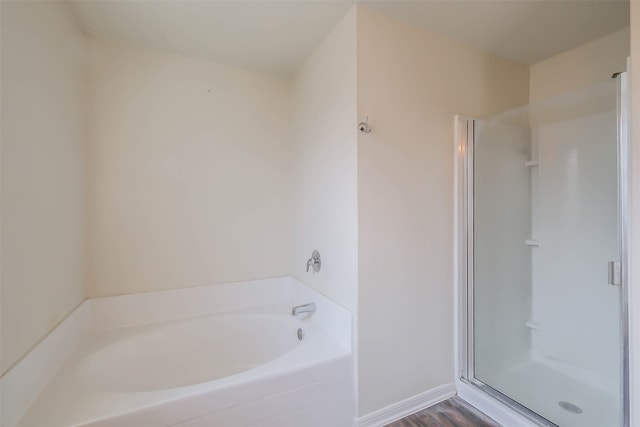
(463, 272)
(465, 231)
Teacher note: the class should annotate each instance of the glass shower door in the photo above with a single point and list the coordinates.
(545, 334)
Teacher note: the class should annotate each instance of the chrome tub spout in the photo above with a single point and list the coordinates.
(304, 308)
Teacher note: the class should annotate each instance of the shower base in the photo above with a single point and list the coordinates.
(542, 388)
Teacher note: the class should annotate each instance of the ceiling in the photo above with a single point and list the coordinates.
(271, 36)
(276, 36)
(526, 31)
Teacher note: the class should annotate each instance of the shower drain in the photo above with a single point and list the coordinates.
(570, 407)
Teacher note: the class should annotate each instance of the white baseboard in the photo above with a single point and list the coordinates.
(406, 407)
(20, 386)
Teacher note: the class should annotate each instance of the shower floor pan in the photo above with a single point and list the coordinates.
(558, 397)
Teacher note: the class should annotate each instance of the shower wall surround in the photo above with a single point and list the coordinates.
(576, 174)
(502, 270)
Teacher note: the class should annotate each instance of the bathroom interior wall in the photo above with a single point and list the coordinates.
(324, 165)
(188, 172)
(43, 134)
(502, 224)
(405, 197)
(580, 67)
(170, 132)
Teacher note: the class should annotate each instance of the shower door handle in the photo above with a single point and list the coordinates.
(614, 273)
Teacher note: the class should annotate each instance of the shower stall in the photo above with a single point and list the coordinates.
(541, 248)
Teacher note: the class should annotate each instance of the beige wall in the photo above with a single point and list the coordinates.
(188, 172)
(324, 165)
(42, 138)
(405, 197)
(577, 68)
(635, 213)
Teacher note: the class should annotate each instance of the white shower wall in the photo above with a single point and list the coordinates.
(569, 349)
(554, 303)
(568, 204)
(502, 259)
(577, 203)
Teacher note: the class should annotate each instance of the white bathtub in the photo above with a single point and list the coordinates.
(223, 356)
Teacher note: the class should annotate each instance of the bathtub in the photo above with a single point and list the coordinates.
(225, 356)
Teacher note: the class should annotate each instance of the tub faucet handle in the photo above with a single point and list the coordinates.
(314, 262)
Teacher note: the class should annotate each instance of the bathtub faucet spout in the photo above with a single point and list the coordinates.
(304, 308)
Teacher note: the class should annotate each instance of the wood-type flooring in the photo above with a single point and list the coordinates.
(453, 412)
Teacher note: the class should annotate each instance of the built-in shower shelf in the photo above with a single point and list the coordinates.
(532, 242)
(531, 163)
(532, 324)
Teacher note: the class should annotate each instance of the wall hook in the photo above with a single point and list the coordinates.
(364, 126)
